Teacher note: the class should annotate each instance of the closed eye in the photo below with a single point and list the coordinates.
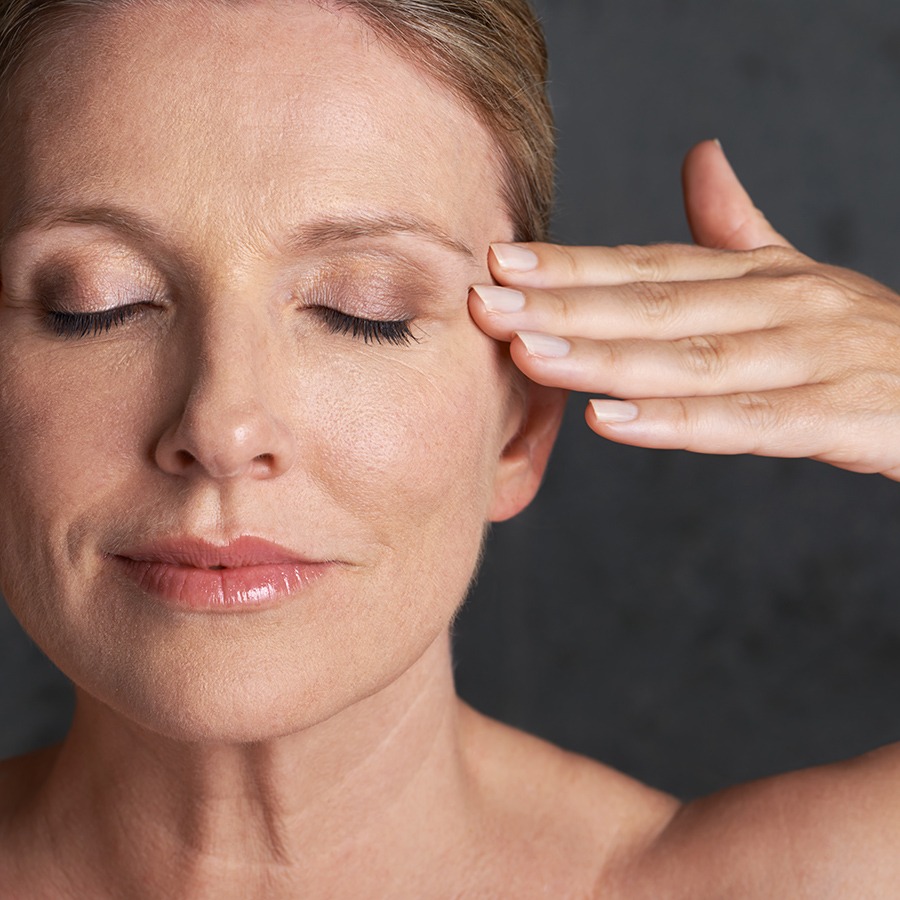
(370, 331)
(82, 324)
(397, 332)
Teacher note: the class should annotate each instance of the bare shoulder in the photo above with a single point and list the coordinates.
(571, 817)
(824, 832)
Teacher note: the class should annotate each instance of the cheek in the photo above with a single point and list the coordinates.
(411, 443)
(401, 441)
(66, 441)
(408, 450)
(64, 431)
(425, 426)
(397, 450)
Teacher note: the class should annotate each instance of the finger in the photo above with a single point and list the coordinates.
(800, 422)
(696, 366)
(641, 309)
(786, 423)
(719, 210)
(554, 265)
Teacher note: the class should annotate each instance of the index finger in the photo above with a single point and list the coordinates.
(559, 266)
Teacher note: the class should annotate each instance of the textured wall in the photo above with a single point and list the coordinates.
(692, 620)
(699, 620)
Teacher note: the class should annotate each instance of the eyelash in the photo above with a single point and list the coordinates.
(372, 331)
(79, 325)
(377, 331)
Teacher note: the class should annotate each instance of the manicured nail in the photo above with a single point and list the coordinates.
(544, 344)
(614, 411)
(718, 143)
(514, 258)
(500, 299)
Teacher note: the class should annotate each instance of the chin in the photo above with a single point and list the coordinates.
(235, 699)
(217, 726)
(220, 713)
(241, 678)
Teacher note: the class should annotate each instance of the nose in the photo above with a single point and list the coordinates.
(228, 426)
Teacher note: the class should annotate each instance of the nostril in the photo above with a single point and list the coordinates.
(184, 458)
(222, 452)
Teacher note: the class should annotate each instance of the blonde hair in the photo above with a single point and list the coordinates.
(490, 53)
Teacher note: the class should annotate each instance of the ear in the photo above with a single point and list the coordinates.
(536, 415)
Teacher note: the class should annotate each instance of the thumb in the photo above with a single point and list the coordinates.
(720, 212)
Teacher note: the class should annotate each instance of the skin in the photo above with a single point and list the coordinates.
(740, 344)
(757, 349)
(254, 753)
(318, 749)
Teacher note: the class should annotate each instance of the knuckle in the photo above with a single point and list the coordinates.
(689, 423)
(654, 302)
(845, 456)
(681, 417)
(759, 415)
(830, 294)
(563, 309)
(611, 356)
(774, 256)
(703, 355)
(569, 263)
(819, 290)
(769, 416)
(644, 263)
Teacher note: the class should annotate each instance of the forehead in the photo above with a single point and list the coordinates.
(232, 117)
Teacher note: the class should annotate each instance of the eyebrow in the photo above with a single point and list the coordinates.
(307, 236)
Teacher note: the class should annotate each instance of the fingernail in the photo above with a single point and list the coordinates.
(514, 258)
(500, 299)
(614, 411)
(544, 344)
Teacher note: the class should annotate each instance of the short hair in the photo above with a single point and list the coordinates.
(490, 53)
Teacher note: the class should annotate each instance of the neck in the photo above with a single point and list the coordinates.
(374, 785)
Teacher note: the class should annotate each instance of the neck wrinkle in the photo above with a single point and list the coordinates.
(302, 805)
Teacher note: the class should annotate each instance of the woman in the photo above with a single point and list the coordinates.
(252, 437)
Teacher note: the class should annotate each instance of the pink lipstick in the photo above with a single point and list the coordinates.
(248, 573)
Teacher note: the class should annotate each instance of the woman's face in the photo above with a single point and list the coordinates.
(252, 177)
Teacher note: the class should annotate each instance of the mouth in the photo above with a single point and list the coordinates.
(192, 574)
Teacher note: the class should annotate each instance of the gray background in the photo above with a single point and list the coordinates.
(692, 620)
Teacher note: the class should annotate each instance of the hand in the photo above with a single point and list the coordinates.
(743, 345)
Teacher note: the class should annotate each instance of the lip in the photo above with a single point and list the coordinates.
(248, 573)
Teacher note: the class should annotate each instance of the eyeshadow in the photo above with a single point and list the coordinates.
(376, 285)
(56, 285)
(91, 282)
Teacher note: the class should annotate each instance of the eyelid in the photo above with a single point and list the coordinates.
(383, 316)
(92, 249)
(367, 292)
(397, 290)
(81, 325)
(55, 287)
(62, 286)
